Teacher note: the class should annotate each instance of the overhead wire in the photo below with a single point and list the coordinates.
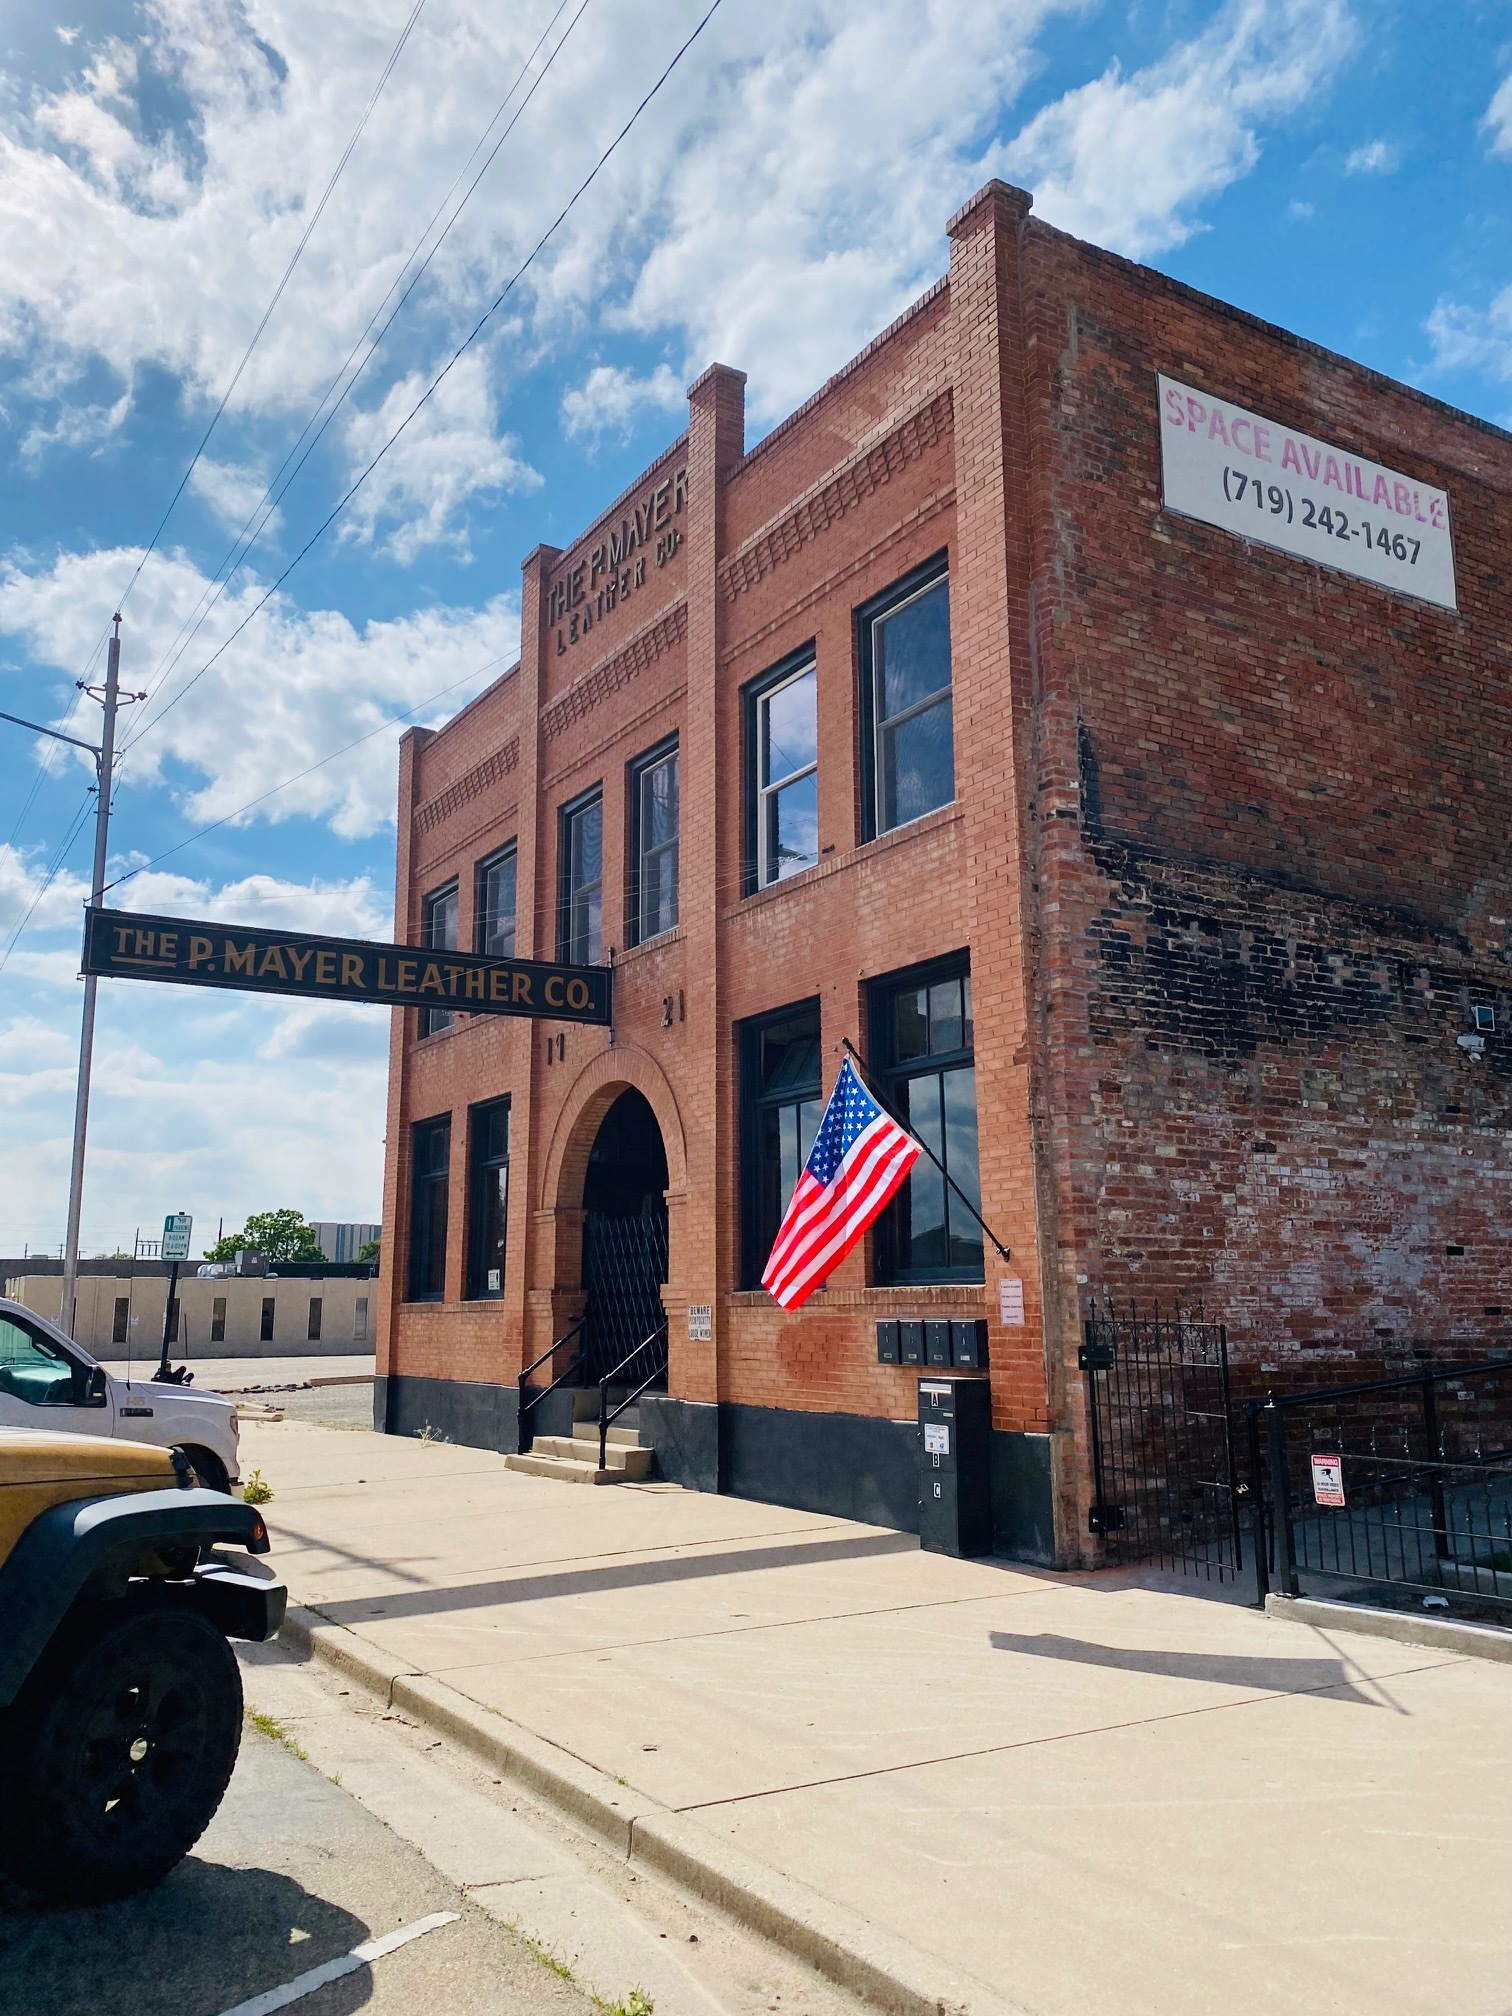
(436, 382)
(281, 482)
(60, 855)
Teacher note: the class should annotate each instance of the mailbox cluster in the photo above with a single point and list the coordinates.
(940, 1344)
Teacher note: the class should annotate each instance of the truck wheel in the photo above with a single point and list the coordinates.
(126, 1742)
(208, 1467)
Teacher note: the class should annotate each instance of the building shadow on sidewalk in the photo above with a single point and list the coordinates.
(1224, 1669)
(623, 1575)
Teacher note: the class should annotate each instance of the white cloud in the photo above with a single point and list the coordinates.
(1473, 339)
(233, 491)
(1497, 124)
(612, 399)
(295, 686)
(23, 870)
(1373, 157)
(1127, 160)
(1300, 210)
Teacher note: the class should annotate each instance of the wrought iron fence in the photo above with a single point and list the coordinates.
(1165, 1485)
(624, 1267)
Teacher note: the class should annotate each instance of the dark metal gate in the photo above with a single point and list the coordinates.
(624, 1267)
(1164, 1481)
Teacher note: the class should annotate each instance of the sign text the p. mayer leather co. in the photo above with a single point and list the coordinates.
(610, 573)
(122, 944)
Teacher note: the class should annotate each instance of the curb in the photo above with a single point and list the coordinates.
(1443, 1634)
(835, 1941)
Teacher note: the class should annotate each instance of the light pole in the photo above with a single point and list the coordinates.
(109, 697)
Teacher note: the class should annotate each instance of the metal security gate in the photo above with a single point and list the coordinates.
(1164, 1483)
(624, 1267)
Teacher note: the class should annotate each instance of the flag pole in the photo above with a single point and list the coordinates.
(887, 1106)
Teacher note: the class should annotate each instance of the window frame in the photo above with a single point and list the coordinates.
(441, 1176)
(510, 851)
(639, 769)
(574, 809)
(268, 1320)
(120, 1320)
(891, 1073)
(759, 690)
(434, 1020)
(753, 1104)
(218, 1319)
(478, 1166)
(892, 599)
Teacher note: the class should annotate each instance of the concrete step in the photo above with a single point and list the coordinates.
(565, 1471)
(630, 1463)
(587, 1431)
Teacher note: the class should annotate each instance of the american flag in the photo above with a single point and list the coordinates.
(860, 1156)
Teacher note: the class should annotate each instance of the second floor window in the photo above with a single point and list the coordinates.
(908, 738)
(438, 933)
(580, 932)
(653, 845)
(782, 741)
(494, 905)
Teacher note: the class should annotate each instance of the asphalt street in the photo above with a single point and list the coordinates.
(293, 1873)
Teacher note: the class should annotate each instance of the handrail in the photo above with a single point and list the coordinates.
(607, 1416)
(1398, 1380)
(538, 1394)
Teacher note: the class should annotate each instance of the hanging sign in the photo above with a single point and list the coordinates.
(1236, 469)
(123, 945)
(1328, 1480)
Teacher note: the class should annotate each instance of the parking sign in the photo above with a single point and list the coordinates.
(176, 1229)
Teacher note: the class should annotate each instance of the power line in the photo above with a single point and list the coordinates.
(278, 487)
(75, 827)
(45, 761)
(429, 393)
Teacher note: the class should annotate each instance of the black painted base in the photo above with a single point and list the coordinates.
(853, 1466)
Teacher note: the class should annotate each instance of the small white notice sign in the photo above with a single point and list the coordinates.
(936, 1438)
(1328, 1480)
(700, 1323)
(1011, 1303)
(1236, 469)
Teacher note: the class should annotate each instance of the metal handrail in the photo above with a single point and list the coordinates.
(1398, 1380)
(538, 1394)
(608, 1416)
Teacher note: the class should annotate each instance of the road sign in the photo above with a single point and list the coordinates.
(176, 1229)
(125, 945)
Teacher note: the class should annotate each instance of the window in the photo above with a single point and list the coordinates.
(121, 1320)
(908, 765)
(265, 1330)
(438, 933)
(653, 844)
(781, 1105)
(32, 1369)
(430, 1177)
(922, 1048)
(218, 1320)
(494, 905)
(312, 1333)
(359, 1321)
(782, 772)
(487, 1198)
(580, 927)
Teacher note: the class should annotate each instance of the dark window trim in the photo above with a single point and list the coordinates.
(476, 1165)
(880, 993)
(764, 682)
(669, 745)
(480, 873)
(416, 1126)
(936, 567)
(751, 1030)
(447, 1017)
(565, 813)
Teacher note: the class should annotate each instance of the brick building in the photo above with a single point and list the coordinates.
(1159, 866)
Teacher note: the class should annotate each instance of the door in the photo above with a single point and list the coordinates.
(624, 1266)
(43, 1386)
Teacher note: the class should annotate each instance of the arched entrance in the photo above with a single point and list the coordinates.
(624, 1236)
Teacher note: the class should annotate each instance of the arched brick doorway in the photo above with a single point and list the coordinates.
(625, 1235)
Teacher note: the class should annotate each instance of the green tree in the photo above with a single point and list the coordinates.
(370, 1250)
(283, 1235)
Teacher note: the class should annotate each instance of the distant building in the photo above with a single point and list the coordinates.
(342, 1241)
(292, 1312)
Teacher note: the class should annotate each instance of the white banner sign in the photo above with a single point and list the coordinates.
(1238, 470)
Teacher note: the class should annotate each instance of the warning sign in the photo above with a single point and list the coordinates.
(1328, 1480)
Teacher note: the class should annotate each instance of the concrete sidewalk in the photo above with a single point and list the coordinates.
(1088, 1794)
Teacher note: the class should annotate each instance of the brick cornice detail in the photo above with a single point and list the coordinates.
(431, 814)
(839, 493)
(643, 650)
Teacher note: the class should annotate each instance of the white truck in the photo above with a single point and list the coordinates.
(48, 1381)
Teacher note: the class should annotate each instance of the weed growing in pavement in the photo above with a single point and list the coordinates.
(257, 1490)
(552, 1962)
(431, 1436)
(269, 1726)
(636, 2003)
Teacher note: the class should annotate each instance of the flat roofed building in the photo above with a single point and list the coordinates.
(1094, 705)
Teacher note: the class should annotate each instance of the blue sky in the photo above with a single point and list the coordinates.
(1341, 170)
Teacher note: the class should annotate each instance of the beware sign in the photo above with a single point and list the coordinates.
(1328, 1480)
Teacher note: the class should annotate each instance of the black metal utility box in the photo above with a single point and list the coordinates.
(955, 1453)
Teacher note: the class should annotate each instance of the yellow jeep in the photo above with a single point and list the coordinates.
(120, 1698)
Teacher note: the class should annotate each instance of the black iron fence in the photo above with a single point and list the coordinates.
(1164, 1482)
